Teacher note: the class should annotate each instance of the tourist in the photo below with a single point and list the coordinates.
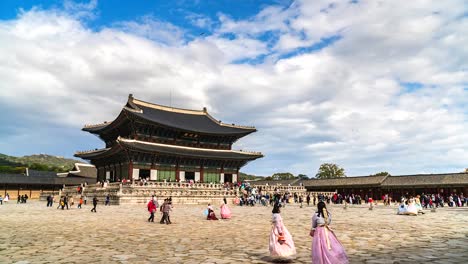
(18, 200)
(211, 214)
(48, 200)
(1, 200)
(417, 203)
(7, 198)
(85, 199)
(107, 200)
(281, 242)
(165, 208)
(308, 199)
(95, 201)
(65, 201)
(60, 202)
(225, 211)
(412, 209)
(151, 209)
(80, 203)
(326, 248)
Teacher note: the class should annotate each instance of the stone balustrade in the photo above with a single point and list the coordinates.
(181, 193)
(130, 193)
(281, 188)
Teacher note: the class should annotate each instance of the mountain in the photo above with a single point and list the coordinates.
(41, 162)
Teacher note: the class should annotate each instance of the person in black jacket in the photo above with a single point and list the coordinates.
(95, 201)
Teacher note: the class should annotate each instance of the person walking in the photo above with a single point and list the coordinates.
(80, 203)
(165, 209)
(225, 211)
(65, 201)
(326, 248)
(151, 209)
(95, 201)
(107, 200)
(281, 242)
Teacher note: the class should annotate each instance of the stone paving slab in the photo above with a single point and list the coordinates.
(33, 233)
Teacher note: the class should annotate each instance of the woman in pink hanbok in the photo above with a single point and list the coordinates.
(281, 242)
(225, 211)
(326, 249)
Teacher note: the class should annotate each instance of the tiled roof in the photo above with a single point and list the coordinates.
(346, 181)
(427, 180)
(188, 120)
(293, 182)
(20, 179)
(84, 170)
(172, 150)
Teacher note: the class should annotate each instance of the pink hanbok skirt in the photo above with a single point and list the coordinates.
(320, 252)
(225, 212)
(285, 249)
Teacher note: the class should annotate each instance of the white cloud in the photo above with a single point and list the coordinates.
(344, 103)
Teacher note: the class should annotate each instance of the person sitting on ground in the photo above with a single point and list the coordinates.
(211, 213)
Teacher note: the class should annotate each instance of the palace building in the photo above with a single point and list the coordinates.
(161, 143)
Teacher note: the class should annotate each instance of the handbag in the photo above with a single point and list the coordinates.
(281, 239)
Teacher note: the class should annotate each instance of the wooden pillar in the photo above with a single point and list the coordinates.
(121, 171)
(130, 170)
(177, 172)
(201, 173)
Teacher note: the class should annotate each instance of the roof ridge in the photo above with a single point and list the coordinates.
(121, 139)
(168, 108)
(137, 102)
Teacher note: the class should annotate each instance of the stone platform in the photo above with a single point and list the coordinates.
(33, 233)
(181, 193)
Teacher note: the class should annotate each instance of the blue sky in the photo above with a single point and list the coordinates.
(370, 86)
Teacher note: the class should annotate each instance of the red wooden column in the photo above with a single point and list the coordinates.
(177, 172)
(130, 170)
(201, 173)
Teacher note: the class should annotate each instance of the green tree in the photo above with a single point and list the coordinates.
(282, 176)
(330, 171)
(302, 177)
(383, 173)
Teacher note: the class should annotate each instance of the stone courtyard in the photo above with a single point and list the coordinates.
(33, 233)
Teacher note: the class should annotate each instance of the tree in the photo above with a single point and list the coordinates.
(383, 173)
(302, 177)
(282, 176)
(330, 171)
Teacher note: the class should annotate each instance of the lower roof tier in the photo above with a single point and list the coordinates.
(123, 144)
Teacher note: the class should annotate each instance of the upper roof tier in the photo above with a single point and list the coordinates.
(170, 150)
(198, 121)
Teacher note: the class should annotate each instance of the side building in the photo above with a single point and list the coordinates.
(395, 186)
(34, 183)
(161, 143)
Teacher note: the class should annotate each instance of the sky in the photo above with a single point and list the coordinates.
(369, 85)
